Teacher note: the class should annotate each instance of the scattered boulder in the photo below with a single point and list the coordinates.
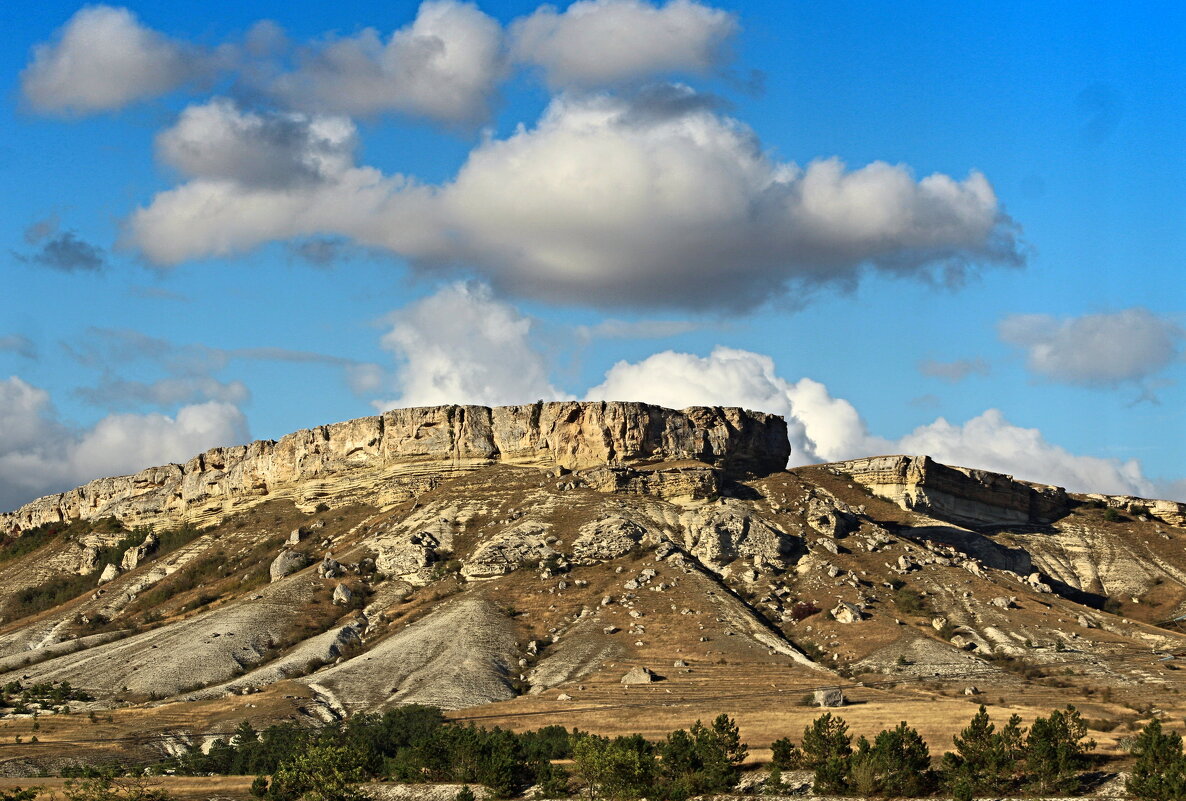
(294, 537)
(287, 563)
(640, 675)
(845, 612)
(109, 573)
(1002, 602)
(564, 697)
(343, 595)
(832, 696)
(134, 556)
(329, 568)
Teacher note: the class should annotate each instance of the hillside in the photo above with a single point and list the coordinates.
(512, 565)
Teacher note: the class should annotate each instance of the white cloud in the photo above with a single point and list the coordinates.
(821, 428)
(991, 442)
(444, 65)
(614, 203)
(605, 42)
(1096, 349)
(102, 59)
(462, 345)
(955, 371)
(39, 454)
(219, 142)
(825, 428)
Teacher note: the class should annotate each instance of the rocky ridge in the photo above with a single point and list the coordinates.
(391, 457)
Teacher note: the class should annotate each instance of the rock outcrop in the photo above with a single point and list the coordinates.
(388, 458)
(957, 494)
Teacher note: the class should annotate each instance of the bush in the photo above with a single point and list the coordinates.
(621, 768)
(911, 602)
(465, 794)
(786, 755)
(803, 610)
(1113, 515)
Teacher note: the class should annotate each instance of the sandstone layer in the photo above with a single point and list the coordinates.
(390, 457)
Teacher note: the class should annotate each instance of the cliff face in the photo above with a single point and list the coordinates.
(389, 457)
(969, 497)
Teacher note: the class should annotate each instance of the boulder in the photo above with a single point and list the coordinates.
(832, 696)
(109, 573)
(134, 556)
(845, 612)
(287, 563)
(343, 595)
(329, 568)
(640, 675)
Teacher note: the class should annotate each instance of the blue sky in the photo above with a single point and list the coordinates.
(917, 227)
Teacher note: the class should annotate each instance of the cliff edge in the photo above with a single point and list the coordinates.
(390, 457)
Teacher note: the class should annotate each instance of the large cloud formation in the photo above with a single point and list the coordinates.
(40, 454)
(605, 201)
(445, 65)
(1095, 349)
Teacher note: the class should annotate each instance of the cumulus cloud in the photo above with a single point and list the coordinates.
(954, 371)
(821, 427)
(826, 428)
(1104, 349)
(103, 59)
(606, 42)
(991, 442)
(599, 204)
(40, 454)
(219, 142)
(444, 65)
(462, 345)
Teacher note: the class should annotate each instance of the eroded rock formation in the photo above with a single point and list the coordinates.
(390, 457)
(957, 494)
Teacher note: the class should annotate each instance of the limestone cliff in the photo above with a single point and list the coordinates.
(388, 458)
(957, 494)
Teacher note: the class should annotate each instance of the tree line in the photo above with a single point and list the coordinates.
(417, 744)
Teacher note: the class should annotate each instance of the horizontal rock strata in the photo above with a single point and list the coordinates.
(957, 494)
(390, 457)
